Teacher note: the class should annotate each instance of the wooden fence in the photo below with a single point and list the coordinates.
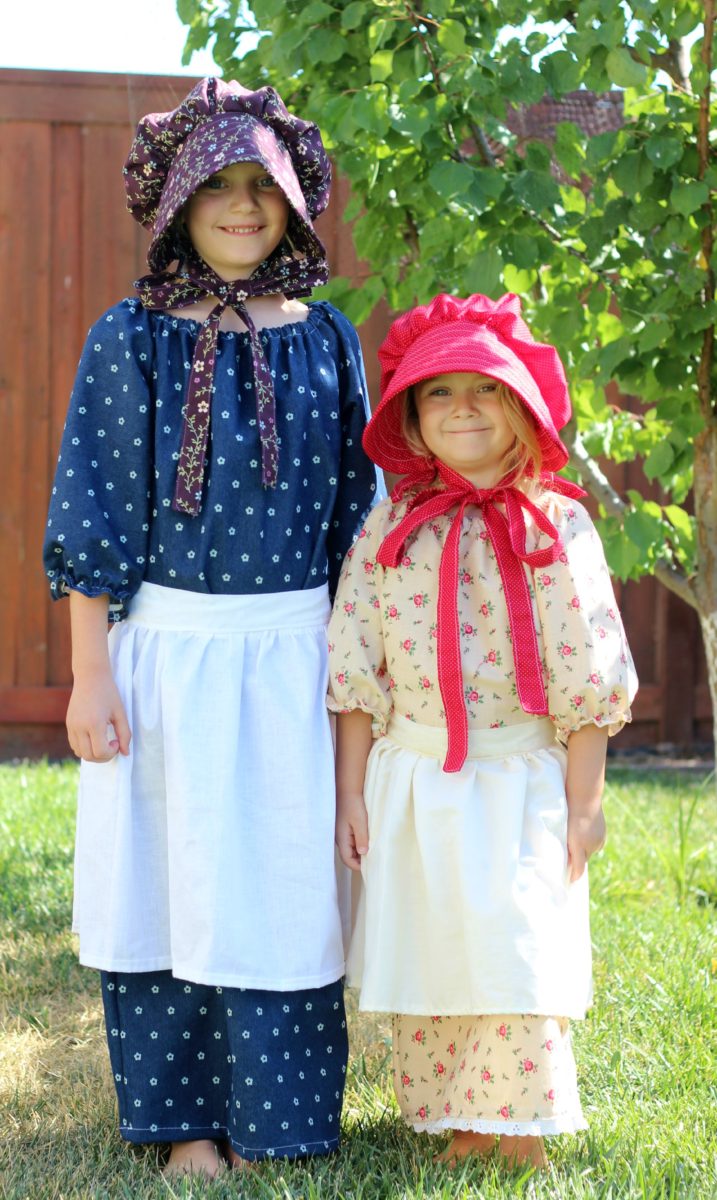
(69, 250)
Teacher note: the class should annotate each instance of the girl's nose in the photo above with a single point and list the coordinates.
(467, 400)
(242, 198)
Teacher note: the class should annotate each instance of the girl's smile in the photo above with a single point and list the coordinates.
(463, 423)
(236, 218)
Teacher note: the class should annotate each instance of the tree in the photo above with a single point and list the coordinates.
(609, 239)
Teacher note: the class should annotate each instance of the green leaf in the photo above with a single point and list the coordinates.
(326, 46)
(369, 111)
(686, 197)
(622, 69)
(450, 179)
(621, 552)
(633, 172)
(561, 72)
(317, 11)
(381, 65)
(483, 273)
(643, 529)
(536, 191)
(682, 521)
(354, 14)
(659, 460)
(452, 37)
(413, 120)
(663, 151)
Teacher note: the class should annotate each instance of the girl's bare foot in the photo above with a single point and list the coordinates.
(466, 1142)
(236, 1161)
(518, 1150)
(194, 1158)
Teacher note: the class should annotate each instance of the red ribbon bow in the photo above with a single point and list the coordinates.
(507, 533)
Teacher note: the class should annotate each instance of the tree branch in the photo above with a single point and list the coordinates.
(602, 490)
(674, 61)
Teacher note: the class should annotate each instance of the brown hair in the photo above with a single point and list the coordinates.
(524, 457)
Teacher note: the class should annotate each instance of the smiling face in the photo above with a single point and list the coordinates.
(463, 422)
(236, 218)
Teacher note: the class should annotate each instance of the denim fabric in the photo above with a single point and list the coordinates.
(111, 524)
(265, 1070)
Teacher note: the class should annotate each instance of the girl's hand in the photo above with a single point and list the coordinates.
(586, 835)
(351, 829)
(94, 705)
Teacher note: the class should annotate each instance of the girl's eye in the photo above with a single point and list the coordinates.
(265, 182)
(438, 391)
(488, 387)
(214, 183)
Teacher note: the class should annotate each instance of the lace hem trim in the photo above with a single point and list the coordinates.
(545, 1126)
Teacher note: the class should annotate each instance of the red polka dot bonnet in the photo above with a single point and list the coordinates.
(477, 335)
(216, 125)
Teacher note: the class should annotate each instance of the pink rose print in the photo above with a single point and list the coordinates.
(527, 1066)
(601, 632)
(468, 629)
(331, 647)
(491, 656)
(452, 1048)
(447, 1108)
(475, 1047)
(470, 1095)
(425, 683)
(362, 534)
(419, 1036)
(392, 611)
(504, 1031)
(594, 678)
(612, 614)
(575, 602)
(341, 677)
(368, 566)
(549, 1095)
(436, 1020)
(565, 650)
(409, 645)
(577, 701)
(473, 696)
(420, 599)
(614, 697)
(462, 1065)
(546, 580)
(505, 1111)
(466, 577)
(570, 514)
(406, 1080)
(424, 1112)
(496, 724)
(486, 1075)
(407, 561)
(439, 1070)
(433, 631)
(349, 607)
(391, 684)
(375, 602)
(483, 535)
(485, 610)
(548, 1044)
(563, 558)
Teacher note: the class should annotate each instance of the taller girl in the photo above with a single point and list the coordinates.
(210, 480)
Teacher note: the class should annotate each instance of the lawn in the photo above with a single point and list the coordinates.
(647, 1055)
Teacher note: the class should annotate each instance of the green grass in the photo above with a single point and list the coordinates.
(647, 1055)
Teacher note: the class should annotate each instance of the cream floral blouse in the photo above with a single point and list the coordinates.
(383, 630)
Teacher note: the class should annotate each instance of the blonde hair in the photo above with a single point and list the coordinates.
(524, 458)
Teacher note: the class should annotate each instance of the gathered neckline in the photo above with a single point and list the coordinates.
(289, 329)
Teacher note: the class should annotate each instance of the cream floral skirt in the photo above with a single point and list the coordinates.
(490, 1074)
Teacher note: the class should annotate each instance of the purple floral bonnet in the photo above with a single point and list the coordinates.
(218, 124)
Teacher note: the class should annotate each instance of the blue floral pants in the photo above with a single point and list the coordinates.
(264, 1070)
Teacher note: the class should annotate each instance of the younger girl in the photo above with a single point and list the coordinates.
(476, 628)
(210, 480)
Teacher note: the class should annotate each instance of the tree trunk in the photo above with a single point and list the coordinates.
(705, 584)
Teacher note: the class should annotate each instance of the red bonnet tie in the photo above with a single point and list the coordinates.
(507, 534)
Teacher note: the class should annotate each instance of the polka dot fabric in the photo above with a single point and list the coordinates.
(111, 524)
(263, 1069)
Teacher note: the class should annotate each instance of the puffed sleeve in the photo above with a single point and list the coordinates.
(360, 483)
(98, 522)
(357, 659)
(590, 673)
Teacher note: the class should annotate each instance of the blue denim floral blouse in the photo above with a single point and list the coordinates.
(111, 524)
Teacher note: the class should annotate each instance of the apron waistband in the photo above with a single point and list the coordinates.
(432, 740)
(160, 607)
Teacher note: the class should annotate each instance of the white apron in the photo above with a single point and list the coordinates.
(466, 906)
(210, 849)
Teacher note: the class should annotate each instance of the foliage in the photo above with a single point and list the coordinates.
(645, 1054)
(605, 238)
